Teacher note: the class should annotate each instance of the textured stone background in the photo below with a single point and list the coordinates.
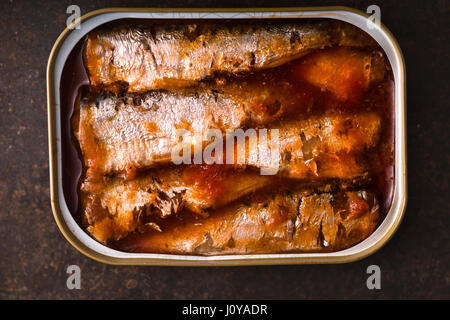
(34, 255)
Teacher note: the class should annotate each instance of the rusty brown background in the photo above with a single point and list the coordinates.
(34, 255)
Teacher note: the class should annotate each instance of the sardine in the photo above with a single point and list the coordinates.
(178, 55)
(298, 221)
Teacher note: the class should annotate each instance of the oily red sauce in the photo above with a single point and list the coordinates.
(282, 214)
(73, 79)
(208, 178)
(349, 65)
(347, 96)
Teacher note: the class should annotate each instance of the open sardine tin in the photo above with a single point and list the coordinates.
(90, 247)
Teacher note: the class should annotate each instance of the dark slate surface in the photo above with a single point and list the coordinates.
(34, 255)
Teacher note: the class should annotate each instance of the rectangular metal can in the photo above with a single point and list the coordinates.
(95, 250)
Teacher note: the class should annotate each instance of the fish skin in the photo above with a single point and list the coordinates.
(179, 55)
(301, 221)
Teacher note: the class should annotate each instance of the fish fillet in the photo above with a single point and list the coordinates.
(285, 222)
(177, 55)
